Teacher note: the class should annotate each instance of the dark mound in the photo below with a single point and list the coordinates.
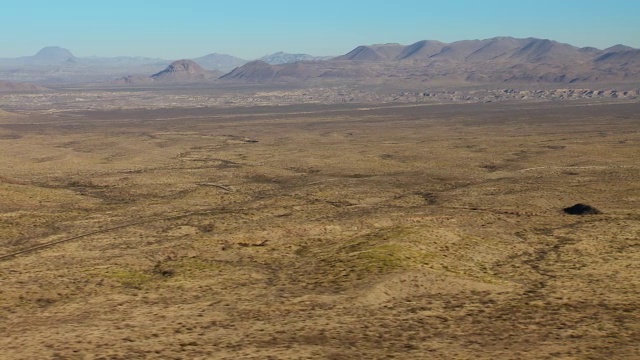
(581, 209)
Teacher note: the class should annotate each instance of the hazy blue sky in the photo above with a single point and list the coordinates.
(250, 29)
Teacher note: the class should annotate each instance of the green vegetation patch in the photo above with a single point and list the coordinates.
(130, 278)
(392, 256)
(377, 253)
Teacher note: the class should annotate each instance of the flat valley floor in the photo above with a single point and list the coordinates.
(306, 232)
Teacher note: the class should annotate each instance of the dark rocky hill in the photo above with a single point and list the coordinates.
(181, 71)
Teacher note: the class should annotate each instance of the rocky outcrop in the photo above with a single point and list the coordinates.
(183, 71)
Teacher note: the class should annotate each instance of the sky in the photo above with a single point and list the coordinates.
(250, 29)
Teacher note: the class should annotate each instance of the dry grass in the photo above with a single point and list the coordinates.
(424, 232)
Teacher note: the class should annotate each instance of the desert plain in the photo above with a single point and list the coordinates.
(386, 231)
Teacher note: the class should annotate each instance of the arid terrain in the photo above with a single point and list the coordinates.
(411, 230)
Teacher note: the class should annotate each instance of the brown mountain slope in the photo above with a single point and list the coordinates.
(260, 71)
(496, 49)
(617, 48)
(619, 66)
(421, 49)
(460, 50)
(255, 71)
(619, 58)
(539, 51)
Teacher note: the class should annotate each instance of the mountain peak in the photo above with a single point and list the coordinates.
(52, 55)
(181, 71)
(184, 65)
(618, 48)
(377, 52)
(54, 51)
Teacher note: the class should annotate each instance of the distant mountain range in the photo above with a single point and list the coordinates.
(495, 60)
(52, 56)
(56, 64)
(57, 56)
(286, 58)
(507, 49)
